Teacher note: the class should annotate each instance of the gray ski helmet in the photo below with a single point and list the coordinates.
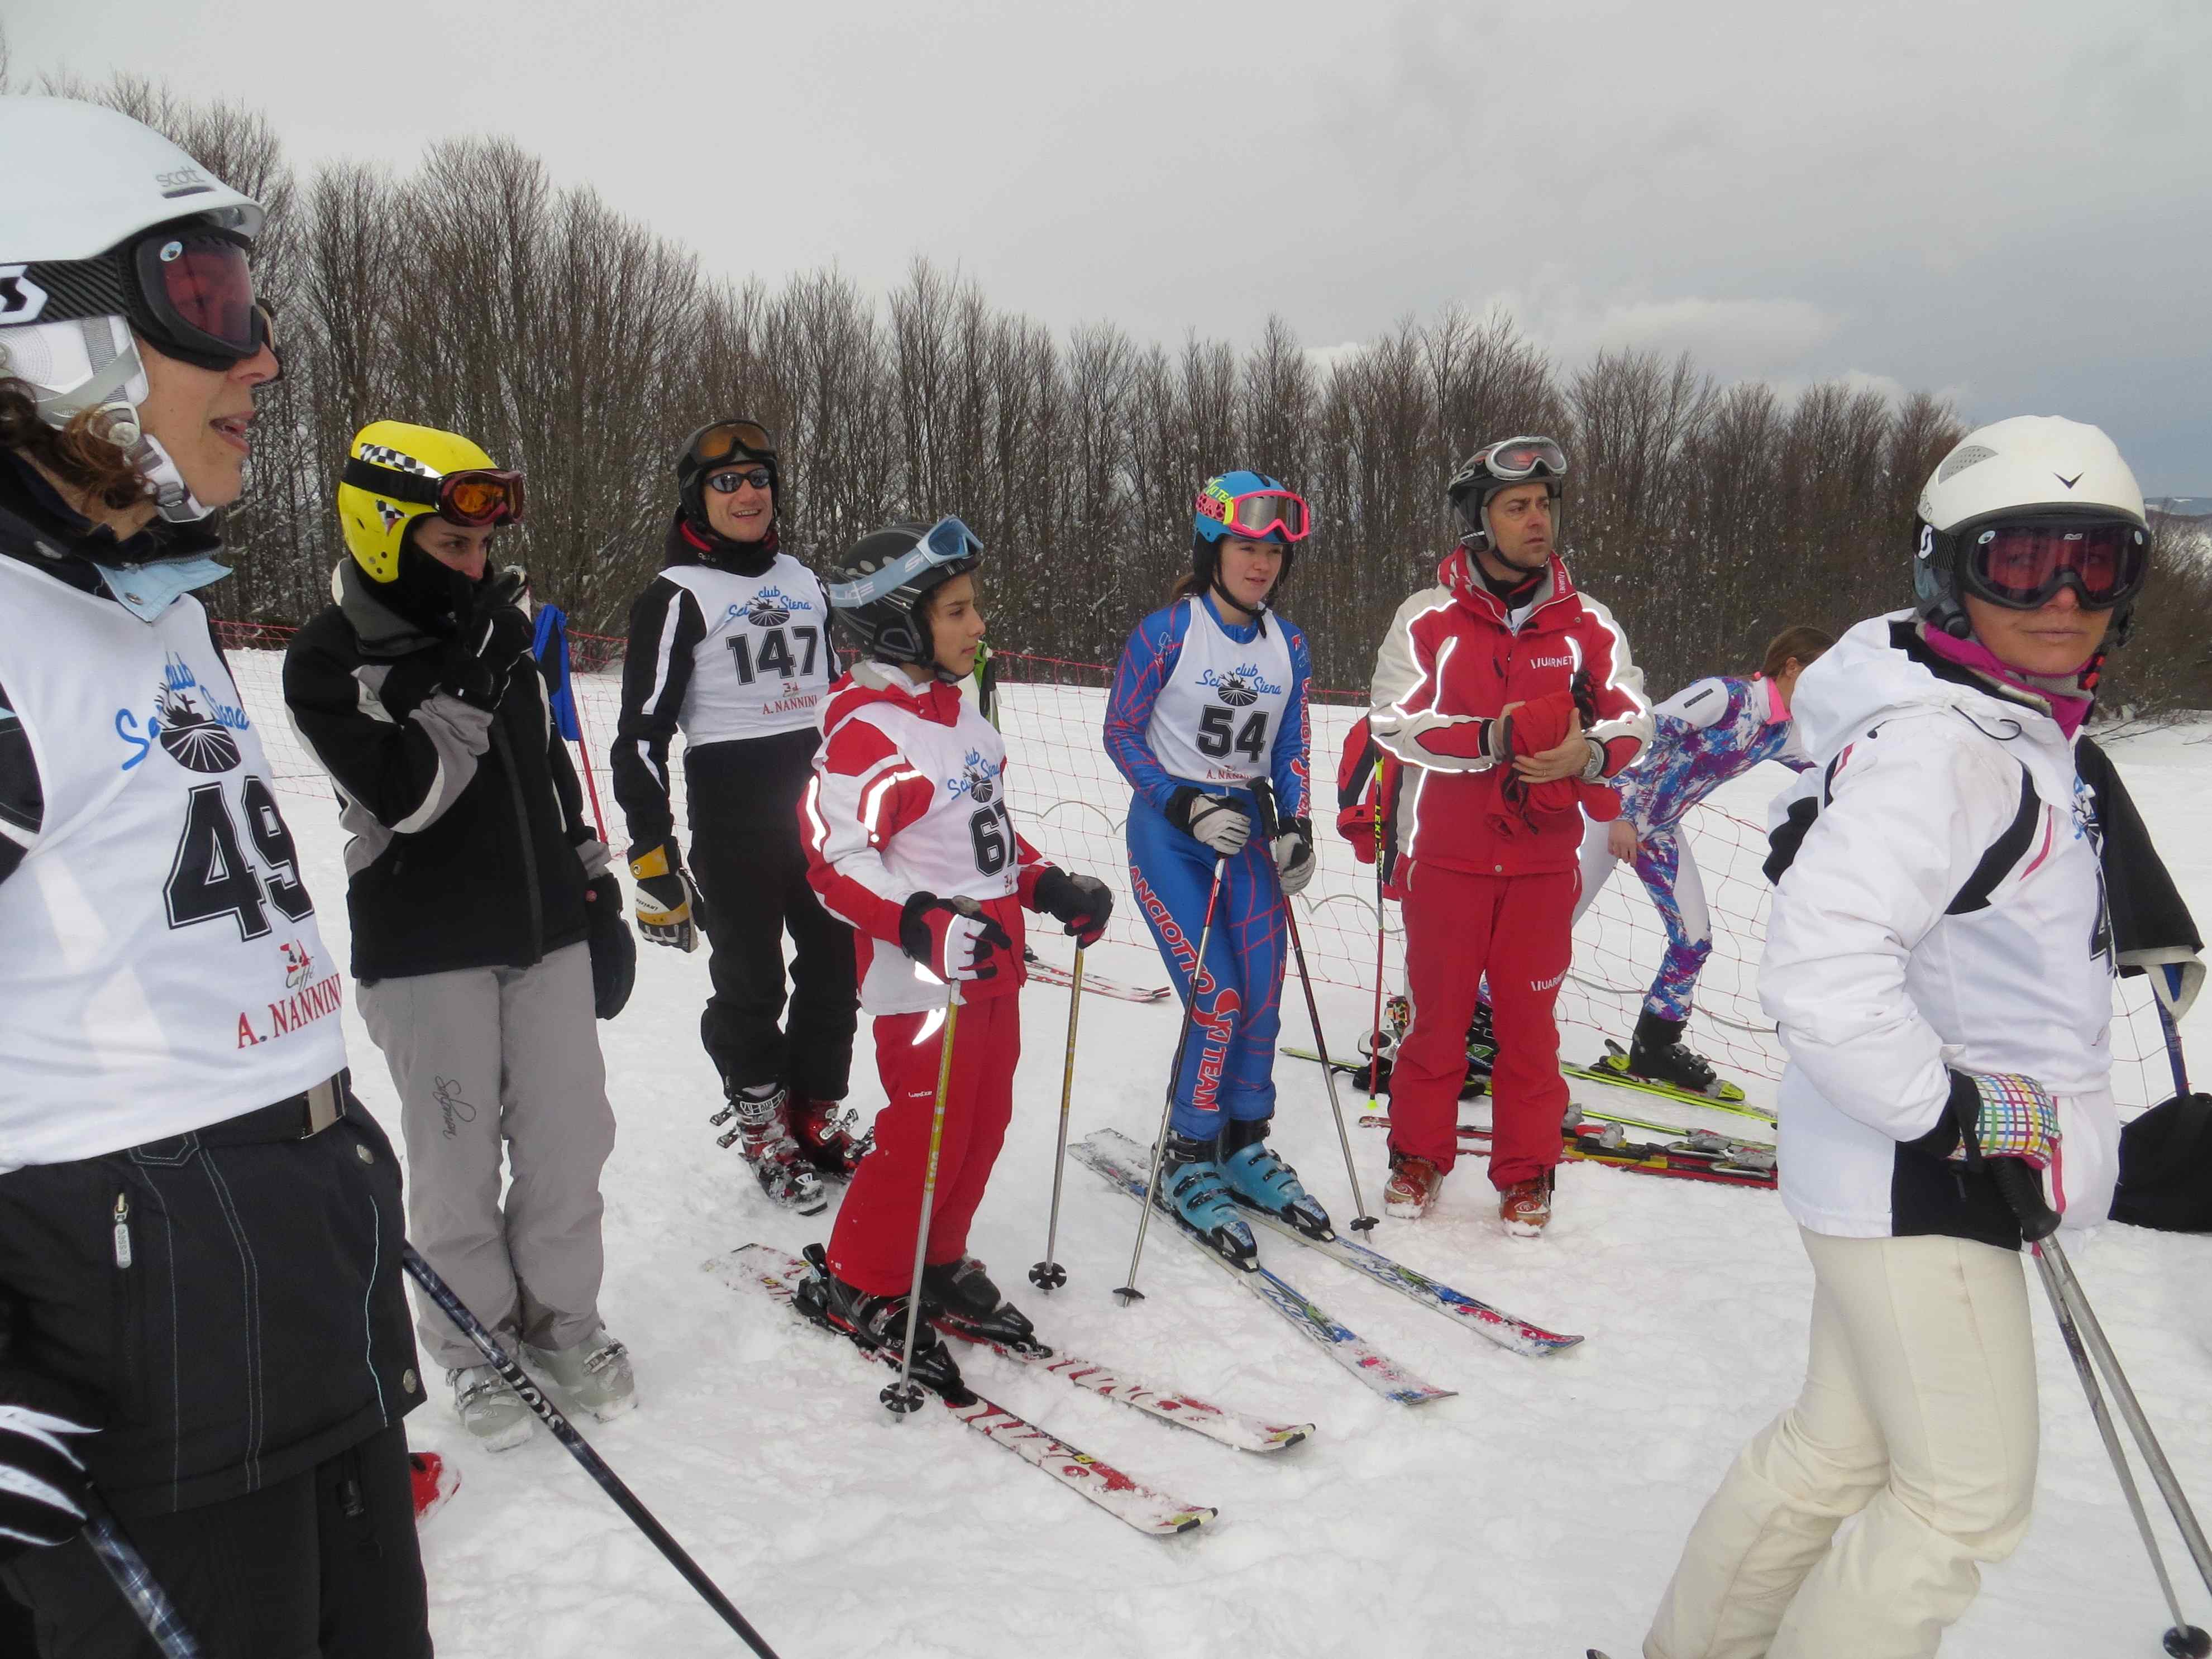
(879, 591)
(1500, 466)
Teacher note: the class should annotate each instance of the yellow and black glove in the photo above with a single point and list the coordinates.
(669, 908)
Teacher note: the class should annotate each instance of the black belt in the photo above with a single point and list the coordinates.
(306, 1114)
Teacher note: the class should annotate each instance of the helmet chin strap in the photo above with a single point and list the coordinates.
(115, 389)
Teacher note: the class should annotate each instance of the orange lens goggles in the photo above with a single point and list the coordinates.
(475, 499)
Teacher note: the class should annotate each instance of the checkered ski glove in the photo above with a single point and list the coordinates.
(2003, 1114)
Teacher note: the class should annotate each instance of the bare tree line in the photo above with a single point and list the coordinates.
(476, 294)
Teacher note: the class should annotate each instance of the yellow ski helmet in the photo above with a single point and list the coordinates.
(395, 472)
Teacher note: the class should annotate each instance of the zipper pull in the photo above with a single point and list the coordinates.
(123, 1230)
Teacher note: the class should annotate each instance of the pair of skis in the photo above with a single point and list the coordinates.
(1127, 1166)
(1600, 1138)
(778, 1275)
(1051, 973)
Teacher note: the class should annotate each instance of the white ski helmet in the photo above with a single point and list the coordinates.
(115, 229)
(2034, 473)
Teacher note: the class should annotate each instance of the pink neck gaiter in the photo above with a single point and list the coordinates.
(2069, 705)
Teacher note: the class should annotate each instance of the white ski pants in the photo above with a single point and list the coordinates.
(1918, 1415)
(490, 1061)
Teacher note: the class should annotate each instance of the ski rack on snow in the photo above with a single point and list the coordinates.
(778, 1275)
(1123, 1164)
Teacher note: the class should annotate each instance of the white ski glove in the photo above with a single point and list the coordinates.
(1220, 823)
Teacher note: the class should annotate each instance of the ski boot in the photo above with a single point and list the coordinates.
(1481, 1043)
(594, 1374)
(490, 1410)
(1411, 1192)
(877, 1325)
(1525, 1207)
(1193, 1187)
(960, 1299)
(825, 1140)
(1657, 1053)
(762, 1137)
(1258, 1177)
(431, 1483)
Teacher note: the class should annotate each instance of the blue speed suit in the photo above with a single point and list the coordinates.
(1200, 703)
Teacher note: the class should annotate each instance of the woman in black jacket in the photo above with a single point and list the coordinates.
(482, 907)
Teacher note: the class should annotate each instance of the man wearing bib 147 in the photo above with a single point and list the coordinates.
(730, 644)
(1208, 711)
(1511, 699)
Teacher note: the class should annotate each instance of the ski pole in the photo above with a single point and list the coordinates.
(1362, 1221)
(120, 1557)
(580, 1448)
(1049, 1275)
(905, 1395)
(2173, 1056)
(2077, 1322)
(1129, 1294)
(1375, 1040)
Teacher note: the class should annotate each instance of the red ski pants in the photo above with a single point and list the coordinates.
(872, 1246)
(1519, 929)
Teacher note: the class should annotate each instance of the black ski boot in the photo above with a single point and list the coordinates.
(960, 1299)
(1481, 1043)
(877, 1325)
(1658, 1053)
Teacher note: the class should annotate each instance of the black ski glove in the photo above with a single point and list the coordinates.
(614, 952)
(1084, 902)
(669, 908)
(490, 638)
(953, 938)
(1293, 851)
(43, 1484)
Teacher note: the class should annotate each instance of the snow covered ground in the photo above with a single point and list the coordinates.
(1539, 1512)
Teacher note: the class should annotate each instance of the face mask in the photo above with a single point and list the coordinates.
(147, 590)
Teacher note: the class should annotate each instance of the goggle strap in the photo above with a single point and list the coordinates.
(389, 481)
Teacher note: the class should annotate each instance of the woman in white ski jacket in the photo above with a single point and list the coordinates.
(1939, 964)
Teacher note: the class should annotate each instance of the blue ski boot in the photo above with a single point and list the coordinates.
(1193, 1189)
(1259, 1178)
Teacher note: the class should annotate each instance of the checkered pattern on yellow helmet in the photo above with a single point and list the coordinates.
(375, 522)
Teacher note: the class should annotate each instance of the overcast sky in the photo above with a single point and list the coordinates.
(2010, 201)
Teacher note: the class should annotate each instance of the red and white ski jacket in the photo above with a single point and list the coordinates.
(1454, 656)
(909, 796)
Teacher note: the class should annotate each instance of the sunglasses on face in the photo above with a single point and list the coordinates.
(726, 484)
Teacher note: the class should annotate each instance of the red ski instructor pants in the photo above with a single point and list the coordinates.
(1519, 930)
(872, 1246)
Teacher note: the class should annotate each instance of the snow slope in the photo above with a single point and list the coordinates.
(1538, 1512)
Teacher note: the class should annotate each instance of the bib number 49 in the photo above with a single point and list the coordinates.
(211, 876)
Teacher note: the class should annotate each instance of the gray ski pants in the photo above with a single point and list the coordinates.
(483, 1057)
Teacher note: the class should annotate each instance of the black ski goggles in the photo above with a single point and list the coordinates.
(187, 289)
(730, 441)
(2023, 563)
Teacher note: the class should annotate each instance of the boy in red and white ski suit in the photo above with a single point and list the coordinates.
(907, 804)
(1490, 875)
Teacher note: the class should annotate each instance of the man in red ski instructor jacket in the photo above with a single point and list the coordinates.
(1509, 698)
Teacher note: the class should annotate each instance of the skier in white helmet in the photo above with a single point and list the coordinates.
(201, 1317)
(1939, 962)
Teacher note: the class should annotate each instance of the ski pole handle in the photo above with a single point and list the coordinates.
(2021, 1184)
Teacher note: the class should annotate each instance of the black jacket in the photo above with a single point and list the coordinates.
(469, 847)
